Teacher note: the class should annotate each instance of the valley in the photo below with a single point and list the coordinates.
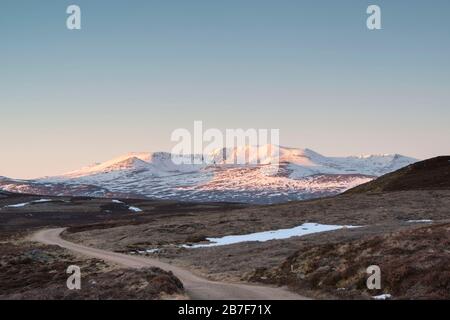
(407, 226)
(379, 215)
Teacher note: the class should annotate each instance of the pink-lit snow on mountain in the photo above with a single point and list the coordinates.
(267, 175)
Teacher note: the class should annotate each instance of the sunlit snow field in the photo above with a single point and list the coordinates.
(302, 230)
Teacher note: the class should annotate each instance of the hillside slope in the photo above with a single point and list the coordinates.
(431, 174)
(415, 264)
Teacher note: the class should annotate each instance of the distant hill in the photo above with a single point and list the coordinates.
(431, 174)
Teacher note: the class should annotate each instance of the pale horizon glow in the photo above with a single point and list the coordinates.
(139, 70)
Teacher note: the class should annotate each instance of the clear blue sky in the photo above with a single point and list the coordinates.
(140, 69)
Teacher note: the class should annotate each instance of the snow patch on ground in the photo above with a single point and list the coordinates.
(21, 205)
(145, 251)
(131, 208)
(302, 230)
(420, 221)
(42, 200)
(134, 209)
(385, 296)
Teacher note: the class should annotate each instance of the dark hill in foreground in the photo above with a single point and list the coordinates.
(431, 174)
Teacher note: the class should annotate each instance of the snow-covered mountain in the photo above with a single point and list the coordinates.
(268, 175)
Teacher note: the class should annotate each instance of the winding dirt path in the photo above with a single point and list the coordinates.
(196, 287)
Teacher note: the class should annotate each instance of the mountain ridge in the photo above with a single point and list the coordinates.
(265, 175)
(305, 157)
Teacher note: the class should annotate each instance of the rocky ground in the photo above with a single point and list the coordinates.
(414, 264)
(378, 214)
(34, 271)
